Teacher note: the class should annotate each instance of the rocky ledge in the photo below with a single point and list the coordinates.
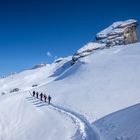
(87, 49)
(119, 33)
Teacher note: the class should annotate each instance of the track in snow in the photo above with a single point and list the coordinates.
(85, 131)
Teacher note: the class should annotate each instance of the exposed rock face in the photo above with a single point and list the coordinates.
(119, 33)
(58, 60)
(39, 66)
(87, 49)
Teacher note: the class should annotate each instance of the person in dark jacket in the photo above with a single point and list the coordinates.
(41, 96)
(36, 94)
(49, 99)
(33, 93)
(45, 97)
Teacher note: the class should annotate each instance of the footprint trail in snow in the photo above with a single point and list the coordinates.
(84, 131)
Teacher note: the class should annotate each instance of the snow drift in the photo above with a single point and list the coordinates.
(121, 125)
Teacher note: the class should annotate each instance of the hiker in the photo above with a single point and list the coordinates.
(49, 99)
(41, 95)
(45, 97)
(36, 94)
(33, 93)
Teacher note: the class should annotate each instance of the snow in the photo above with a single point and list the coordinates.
(121, 125)
(104, 75)
(26, 79)
(82, 94)
(23, 118)
(85, 130)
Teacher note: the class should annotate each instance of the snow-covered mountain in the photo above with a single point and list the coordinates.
(91, 99)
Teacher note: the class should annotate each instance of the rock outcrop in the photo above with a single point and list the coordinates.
(87, 49)
(39, 66)
(119, 33)
(58, 60)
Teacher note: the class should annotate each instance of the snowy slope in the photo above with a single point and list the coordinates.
(101, 83)
(26, 79)
(121, 125)
(25, 118)
(95, 86)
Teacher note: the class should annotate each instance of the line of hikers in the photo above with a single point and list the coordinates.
(36, 94)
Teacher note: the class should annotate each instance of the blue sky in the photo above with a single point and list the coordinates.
(29, 29)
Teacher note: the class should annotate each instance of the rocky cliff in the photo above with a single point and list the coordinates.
(119, 33)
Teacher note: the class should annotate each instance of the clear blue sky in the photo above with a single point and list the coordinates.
(31, 28)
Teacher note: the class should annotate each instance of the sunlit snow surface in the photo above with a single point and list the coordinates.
(97, 85)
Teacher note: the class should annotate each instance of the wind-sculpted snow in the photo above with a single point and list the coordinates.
(121, 125)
